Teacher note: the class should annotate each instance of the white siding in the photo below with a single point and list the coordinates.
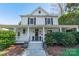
(24, 20)
(55, 21)
(40, 21)
(37, 12)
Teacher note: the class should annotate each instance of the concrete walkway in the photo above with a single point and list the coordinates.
(34, 49)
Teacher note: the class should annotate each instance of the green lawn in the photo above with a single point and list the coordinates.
(71, 52)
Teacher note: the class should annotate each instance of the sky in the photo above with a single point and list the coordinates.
(9, 12)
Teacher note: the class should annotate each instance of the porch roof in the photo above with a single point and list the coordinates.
(39, 26)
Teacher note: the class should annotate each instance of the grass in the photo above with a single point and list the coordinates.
(71, 52)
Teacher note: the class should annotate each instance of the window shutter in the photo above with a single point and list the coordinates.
(34, 21)
(52, 21)
(28, 21)
(45, 21)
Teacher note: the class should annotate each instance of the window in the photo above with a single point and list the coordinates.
(49, 21)
(39, 12)
(32, 21)
(23, 31)
(49, 31)
(18, 33)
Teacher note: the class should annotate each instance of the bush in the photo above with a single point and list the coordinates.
(76, 34)
(64, 38)
(7, 38)
(49, 40)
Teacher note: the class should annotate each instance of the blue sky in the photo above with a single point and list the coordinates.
(9, 13)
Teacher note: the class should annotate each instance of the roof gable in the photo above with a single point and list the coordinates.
(39, 11)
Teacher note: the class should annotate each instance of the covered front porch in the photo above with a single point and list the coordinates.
(25, 33)
(37, 33)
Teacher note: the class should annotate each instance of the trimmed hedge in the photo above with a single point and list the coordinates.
(7, 38)
(64, 38)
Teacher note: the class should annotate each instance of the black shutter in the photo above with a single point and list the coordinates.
(52, 21)
(45, 21)
(34, 21)
(28, 21)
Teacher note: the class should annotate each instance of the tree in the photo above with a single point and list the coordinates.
(72, 6)
(70, 18)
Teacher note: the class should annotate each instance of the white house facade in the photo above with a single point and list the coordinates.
(33, 26)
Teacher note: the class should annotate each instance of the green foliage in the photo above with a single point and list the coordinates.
(64, 38)
(49, 40)
(7, 38)
(71, 18)
(76, 34)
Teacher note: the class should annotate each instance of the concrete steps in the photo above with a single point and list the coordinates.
(35, 45)
(34, 49)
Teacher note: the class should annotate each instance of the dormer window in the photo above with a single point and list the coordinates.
(39, 12)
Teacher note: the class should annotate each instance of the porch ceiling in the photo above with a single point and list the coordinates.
(39, 26)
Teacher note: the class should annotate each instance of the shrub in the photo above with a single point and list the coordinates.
(7, 38)
(76, 34)
(64, 38)
(49, 40)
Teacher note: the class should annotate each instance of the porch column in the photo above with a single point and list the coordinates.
(60, 29)
(43, 34)
(28, 34)
(77, 29)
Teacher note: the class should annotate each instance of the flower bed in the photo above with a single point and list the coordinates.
(13, 50)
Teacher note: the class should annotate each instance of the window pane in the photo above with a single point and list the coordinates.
(31, 21)
(48, 20)
(23, 31)
(18, 33)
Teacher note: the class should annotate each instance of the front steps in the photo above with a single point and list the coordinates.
(35, 48)
(35, 45)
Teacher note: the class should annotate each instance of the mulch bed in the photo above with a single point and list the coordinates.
(57, 50)
(14, 50)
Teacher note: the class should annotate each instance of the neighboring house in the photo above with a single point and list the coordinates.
(4, 29)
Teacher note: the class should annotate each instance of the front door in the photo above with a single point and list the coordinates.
(36, 35)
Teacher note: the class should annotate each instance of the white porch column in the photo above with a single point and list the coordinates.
(43, 34)
(60, 29)
(77, 29)
(28, 34)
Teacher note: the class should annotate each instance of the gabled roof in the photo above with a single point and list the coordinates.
(39, 8)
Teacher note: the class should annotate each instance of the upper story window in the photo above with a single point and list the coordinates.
(49, 21)
(32, 21)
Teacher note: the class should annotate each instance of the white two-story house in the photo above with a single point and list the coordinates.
(34, 26)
